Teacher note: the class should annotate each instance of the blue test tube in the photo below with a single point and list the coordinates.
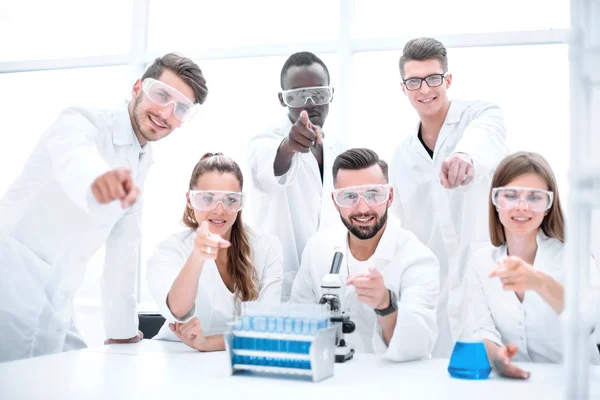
(271, 324)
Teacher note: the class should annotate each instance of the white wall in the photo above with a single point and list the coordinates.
(518, 60)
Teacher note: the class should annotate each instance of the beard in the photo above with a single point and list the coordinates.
(365, 232)
(137, 125)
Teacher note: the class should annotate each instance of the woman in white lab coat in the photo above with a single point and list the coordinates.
(198, 277)
(517, 286)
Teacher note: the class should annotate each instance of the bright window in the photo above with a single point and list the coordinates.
(33, 29)
(390, 18)
(190, 26)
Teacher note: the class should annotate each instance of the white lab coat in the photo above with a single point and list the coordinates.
(409, 269)
(448, 221)
(297, 204)
(533, 325)
(214, 305)
(51, 225)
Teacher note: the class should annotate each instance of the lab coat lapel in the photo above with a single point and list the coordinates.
(448, 128)
(441, 195)
(314, 175)
(123, 133)
(417, 145)
(146, 160)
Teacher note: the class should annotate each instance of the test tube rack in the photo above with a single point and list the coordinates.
(309, 356)
(291, 339)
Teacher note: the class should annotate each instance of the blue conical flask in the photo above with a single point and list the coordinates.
(469, 359)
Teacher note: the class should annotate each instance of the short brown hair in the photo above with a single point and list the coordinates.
(510, 168)
(421, 49)
(184, 68)
(355, 159)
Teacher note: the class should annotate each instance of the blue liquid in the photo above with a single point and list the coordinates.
(273, 345)
(271, 362)
(469, 361)
(271, 324)
(306, 326)
(280, 322)
(246, 323)
(298, 326)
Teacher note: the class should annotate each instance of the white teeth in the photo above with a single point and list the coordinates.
(363, 219)
(157, 123)
(520, 219)
(217, 221)
(426, 100)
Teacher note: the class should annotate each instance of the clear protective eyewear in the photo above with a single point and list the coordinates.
(297, 98)
(208, 200)
(372, 194)
(433, 80)
(508, 198)
(163, 95)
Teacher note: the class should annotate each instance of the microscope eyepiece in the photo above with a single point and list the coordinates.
(336, 263)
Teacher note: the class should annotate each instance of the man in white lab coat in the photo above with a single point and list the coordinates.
(291, 163)
(392, 278)
(81, 189)
(442, 172)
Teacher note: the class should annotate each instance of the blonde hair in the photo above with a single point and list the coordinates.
(239, 255)
(510, 168)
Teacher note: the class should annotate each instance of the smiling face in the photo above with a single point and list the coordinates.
(521, 220)
(151, 121)
(363, 220)
(219, 219)
(427, 101)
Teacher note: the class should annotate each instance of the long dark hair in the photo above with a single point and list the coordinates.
(239, 255)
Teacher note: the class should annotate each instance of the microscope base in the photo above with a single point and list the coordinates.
(343, 354)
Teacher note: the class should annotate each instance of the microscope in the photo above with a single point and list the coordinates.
(333, 293)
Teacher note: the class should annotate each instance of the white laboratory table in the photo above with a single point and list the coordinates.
(156, 369)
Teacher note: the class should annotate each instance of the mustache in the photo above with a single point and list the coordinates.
(362, 215)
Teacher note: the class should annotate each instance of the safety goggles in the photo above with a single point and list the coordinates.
(163, 95)
(296, 98)
(433, 80)
(208, 200)
(372, 194)
(507, 198)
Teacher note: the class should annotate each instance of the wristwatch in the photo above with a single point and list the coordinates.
(391, 308)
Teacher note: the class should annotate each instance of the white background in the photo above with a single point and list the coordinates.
(511, 52)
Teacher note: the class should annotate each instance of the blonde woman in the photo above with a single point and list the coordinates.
(198, 276)
(517, 286)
